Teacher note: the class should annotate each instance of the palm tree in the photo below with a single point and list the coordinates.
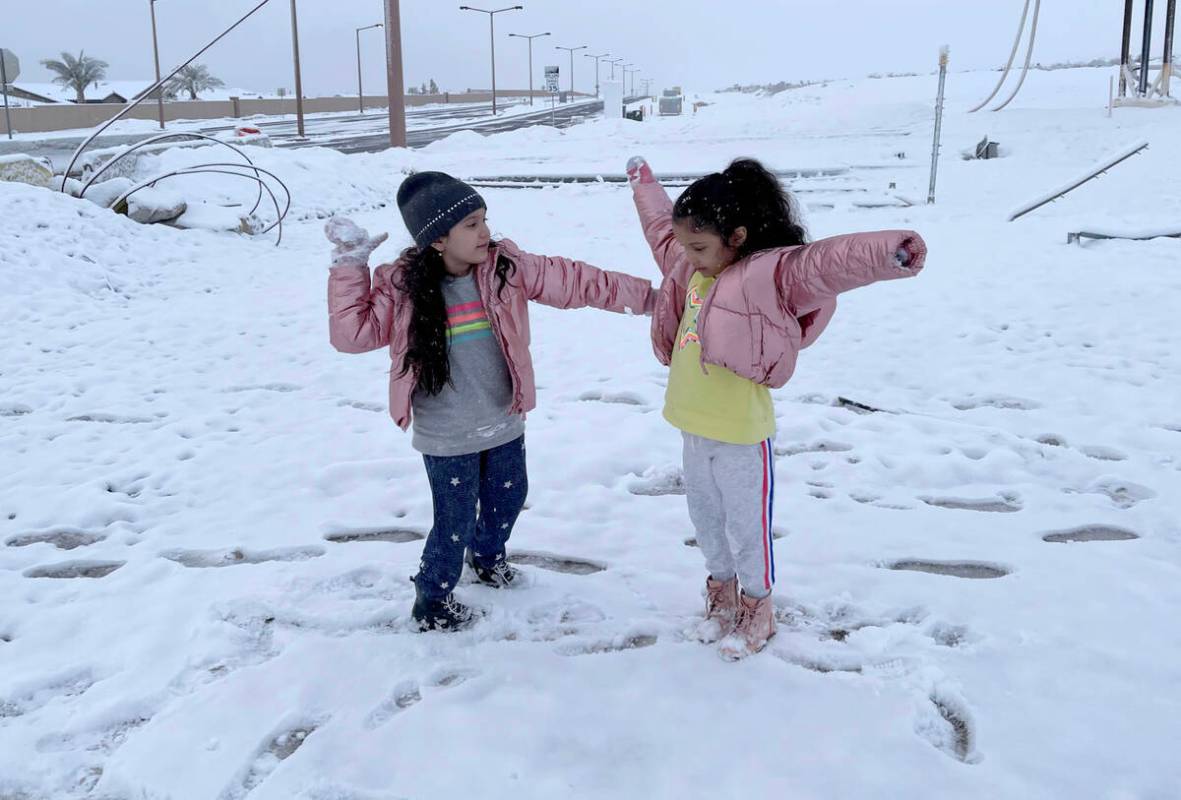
(77, 72)
(194, 79)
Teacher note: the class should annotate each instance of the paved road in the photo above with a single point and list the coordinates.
(348, 133)
(378, 140)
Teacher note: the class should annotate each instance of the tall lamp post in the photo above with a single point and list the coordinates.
(393, 65)
(596, 58)
(623, 68)
(298, 79)
(632, 92)
(611, 61)
(530, 37)
(491, 40)
(156, 54)
(360, 91)
(571, 51)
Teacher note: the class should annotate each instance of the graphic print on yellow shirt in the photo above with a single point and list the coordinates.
(694, 302)
(715, 402)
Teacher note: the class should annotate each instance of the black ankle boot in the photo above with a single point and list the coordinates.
(441, 614)
(500, 576)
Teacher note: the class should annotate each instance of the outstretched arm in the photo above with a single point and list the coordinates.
(656, 213)
(811, 275)
(565, 283)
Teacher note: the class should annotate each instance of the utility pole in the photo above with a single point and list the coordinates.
(492, 40)
(156, 55)
(530, 37)
(393, 64)
(361, 91)
(298, 80)
(611, 61)
(571, 51)
(596, 58)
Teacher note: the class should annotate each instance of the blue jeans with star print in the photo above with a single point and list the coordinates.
(477, 498)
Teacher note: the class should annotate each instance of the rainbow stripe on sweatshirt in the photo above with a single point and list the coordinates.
(467, 322)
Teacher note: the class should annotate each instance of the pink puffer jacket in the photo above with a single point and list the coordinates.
(770, 305)
(364, 315)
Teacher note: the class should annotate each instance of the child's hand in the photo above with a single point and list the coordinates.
(638, 170)
(353, 244)
(909, 252)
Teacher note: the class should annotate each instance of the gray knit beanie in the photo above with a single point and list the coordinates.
(432, 203)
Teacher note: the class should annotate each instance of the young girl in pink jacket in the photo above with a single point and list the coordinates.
(742, 294)
(453, 312)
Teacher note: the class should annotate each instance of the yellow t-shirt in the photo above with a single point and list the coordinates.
(715, 403)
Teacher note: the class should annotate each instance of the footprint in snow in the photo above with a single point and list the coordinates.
(1091, 533)
(633, 641)
(61, 539)
(75, 569)
(957, 569)
(397, 536)
(658, 482)
(1005, 402)
(273, 752)
(621, 398)
(556, 563)
(1003, 504)
(202, 559)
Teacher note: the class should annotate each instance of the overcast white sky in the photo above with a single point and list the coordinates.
(697, 43)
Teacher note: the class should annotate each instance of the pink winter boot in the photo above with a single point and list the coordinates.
(721, 607)
(755, 625)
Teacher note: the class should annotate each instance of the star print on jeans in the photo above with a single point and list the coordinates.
(455, 537)
(508, 484)
(455, 481)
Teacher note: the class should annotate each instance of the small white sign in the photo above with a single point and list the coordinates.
(551, 79)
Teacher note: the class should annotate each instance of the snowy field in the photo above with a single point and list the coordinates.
(207, 519)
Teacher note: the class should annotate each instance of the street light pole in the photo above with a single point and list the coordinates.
(571, 51)
(360, 91)
(156, 55)
(611, 61)
(492, 40)
(530, 37)
(393, 63)
(596, 58)
(298, 79)
(624, 69)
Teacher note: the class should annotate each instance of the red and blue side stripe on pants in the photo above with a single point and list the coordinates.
(768, 454)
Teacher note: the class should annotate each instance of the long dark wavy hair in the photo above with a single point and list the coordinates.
(422, 282)
(746, 195)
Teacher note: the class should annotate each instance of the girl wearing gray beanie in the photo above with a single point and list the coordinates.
(453, 311)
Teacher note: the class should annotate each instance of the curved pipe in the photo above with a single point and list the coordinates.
(158, 84)
(159, 138)
(225, 169)
(1037, 7)
(199, 171)
(1009, 64)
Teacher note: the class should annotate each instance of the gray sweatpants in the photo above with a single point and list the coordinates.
(730, 489)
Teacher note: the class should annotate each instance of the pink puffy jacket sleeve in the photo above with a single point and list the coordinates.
(656, 216)
(565, 283)
(810, 276)
(359, 312)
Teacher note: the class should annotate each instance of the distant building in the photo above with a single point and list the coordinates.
(118, 92)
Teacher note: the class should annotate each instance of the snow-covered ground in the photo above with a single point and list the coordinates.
(207, 519)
